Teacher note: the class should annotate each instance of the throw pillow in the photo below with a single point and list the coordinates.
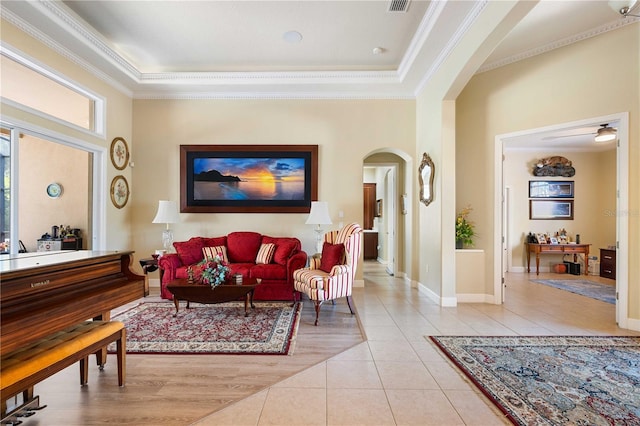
(211, 252)
(243, 246)
(331, 256)
(189, 252)
(284, 247)
(265, 254)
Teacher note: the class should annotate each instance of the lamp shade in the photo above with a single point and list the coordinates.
(167, 212)
(319, 214)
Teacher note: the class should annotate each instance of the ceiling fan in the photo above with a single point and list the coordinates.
(603, 133)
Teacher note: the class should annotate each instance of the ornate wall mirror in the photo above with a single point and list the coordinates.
(425, 177)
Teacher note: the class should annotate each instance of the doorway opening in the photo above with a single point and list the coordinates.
(390, 171)
(566, 139)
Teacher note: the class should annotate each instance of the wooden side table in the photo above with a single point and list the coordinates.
(149, 265)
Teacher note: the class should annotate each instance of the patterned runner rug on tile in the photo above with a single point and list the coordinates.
(559, 380)
(269, 329)
(594, 290)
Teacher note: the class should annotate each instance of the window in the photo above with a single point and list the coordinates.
(29, 86)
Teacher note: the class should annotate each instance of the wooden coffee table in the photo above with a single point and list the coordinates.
(203, 293)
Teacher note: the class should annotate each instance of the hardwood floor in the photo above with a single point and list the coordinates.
(180, 389)
(367, 384)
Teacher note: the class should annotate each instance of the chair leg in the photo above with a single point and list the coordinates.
(349, 303)
(317, 303)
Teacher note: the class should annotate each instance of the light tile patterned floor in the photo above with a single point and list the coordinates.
(397, 377)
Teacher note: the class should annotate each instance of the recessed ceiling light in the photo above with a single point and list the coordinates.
(377, 50)
(292, 37)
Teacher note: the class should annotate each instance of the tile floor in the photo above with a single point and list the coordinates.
(397, 377)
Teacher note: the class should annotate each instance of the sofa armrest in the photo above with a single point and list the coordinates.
(169, 263)
(297, 261)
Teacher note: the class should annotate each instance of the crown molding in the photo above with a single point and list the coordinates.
(34, 32)
(57, 12)
(271, 96)
(452, 43)
(559, 43)
(424, 29)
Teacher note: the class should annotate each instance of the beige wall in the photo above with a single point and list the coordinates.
(436, 133)
(345, 131)
(41, 163)
(560, 86)
(594, 187)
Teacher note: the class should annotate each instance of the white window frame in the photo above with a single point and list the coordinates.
(99, 102)
(99, 178)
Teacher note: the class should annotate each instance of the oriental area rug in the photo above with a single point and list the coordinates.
(592, 289)
(270, 328)
(558, 380)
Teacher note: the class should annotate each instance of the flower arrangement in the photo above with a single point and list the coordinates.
(464, 228)
(209, 271)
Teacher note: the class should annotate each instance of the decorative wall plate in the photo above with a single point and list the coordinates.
(119, 191)
(119, 153)
(54, 190)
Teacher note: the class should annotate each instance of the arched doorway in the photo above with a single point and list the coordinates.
(390, 170)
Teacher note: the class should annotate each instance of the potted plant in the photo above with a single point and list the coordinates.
(464, 229)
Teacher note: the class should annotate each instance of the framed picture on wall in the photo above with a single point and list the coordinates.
(550, 209)
(248, 178)
(550, 189)
(119, 153)
(119, 191)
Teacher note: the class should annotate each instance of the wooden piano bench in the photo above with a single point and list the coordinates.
(25, 367)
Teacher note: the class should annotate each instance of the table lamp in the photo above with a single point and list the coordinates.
(167, 213)
(319, 215)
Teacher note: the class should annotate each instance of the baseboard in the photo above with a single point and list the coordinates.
(475, 298)
(517, 269)
(358, 283)
(441, 301)
(633, 324)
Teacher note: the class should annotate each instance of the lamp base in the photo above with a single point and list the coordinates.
(318, 239)
(167, 240)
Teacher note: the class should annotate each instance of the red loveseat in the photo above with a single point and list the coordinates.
(242, 249)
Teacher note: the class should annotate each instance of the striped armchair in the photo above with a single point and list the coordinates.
(329, 284)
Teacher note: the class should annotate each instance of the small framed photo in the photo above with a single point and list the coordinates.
(550, 209)
(119, 191)
(554, 240)
(119, 153)
(551, 189)
(541, 239)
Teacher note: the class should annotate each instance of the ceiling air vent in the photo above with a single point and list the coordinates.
(399, 5)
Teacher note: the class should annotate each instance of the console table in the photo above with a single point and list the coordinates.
(574, 249)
